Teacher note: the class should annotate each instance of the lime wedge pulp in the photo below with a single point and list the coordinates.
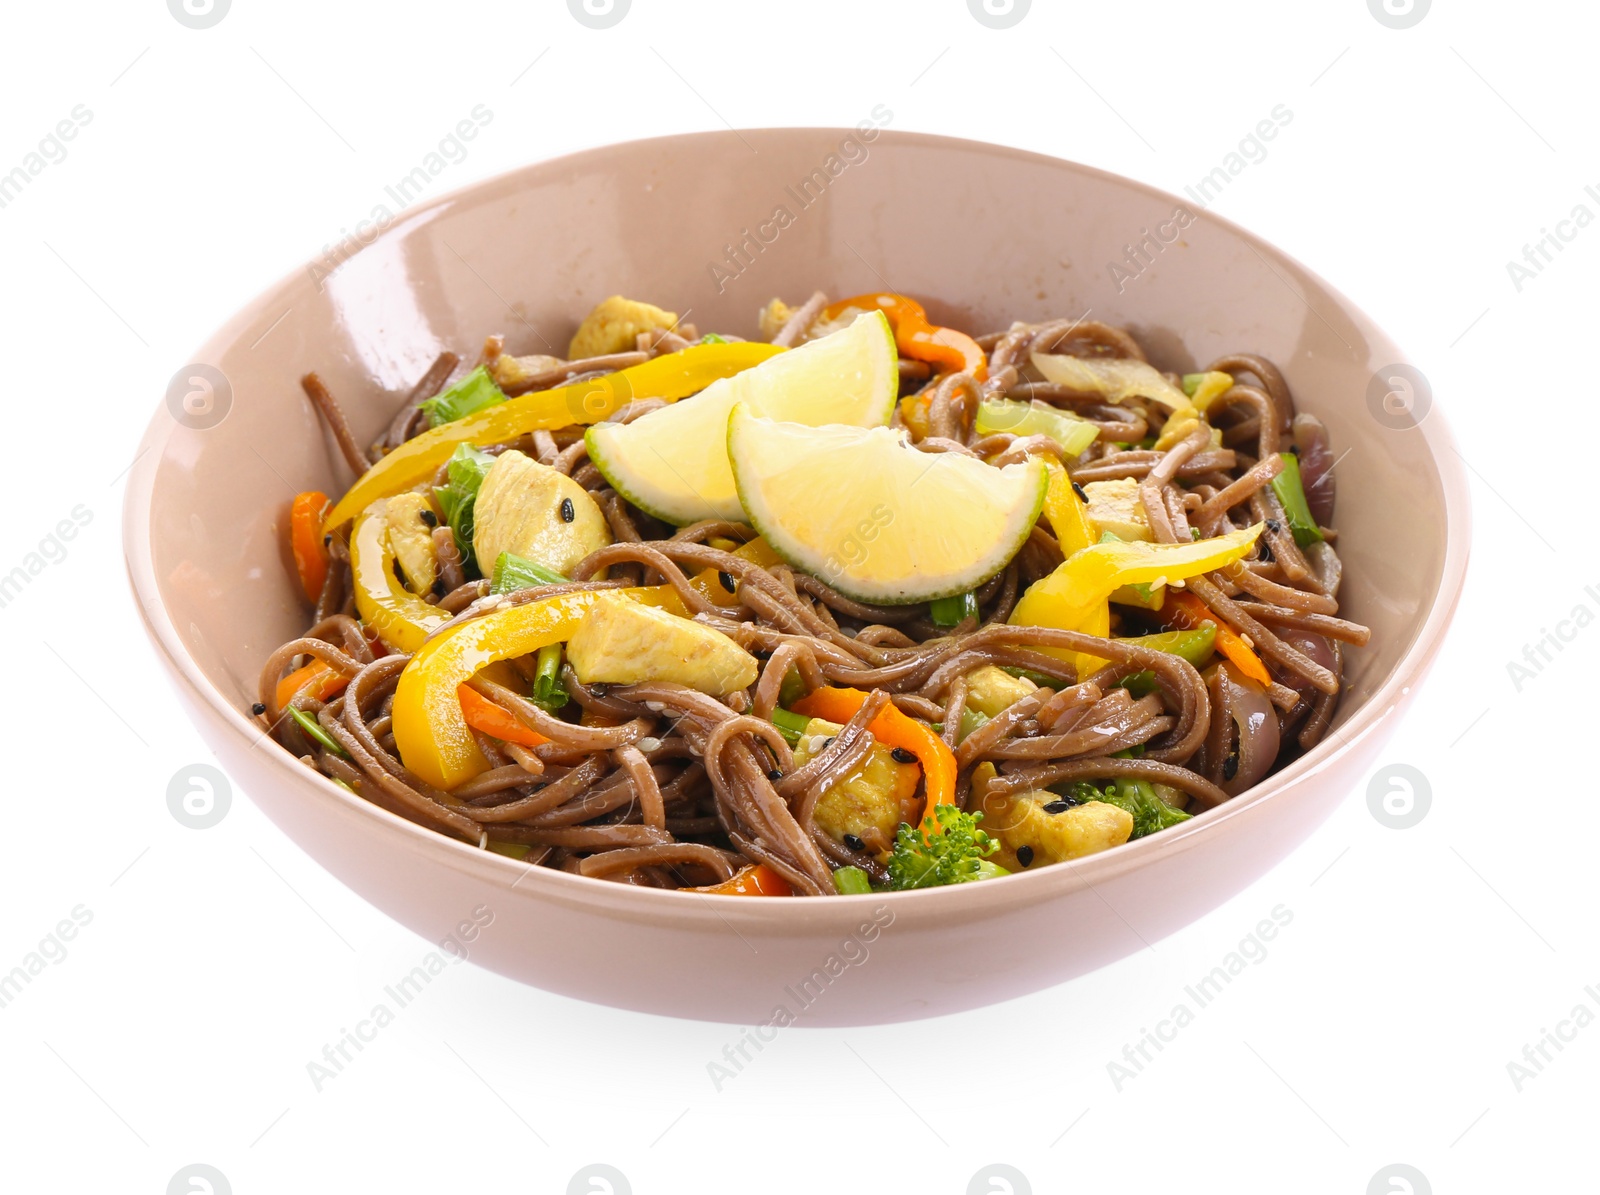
(673, 463)
(877, 519)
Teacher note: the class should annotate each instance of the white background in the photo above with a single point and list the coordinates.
(1418, 963)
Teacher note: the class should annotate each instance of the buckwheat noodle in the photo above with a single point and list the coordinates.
(660, 786)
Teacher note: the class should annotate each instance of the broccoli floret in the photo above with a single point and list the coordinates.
(1150, 813)
(960, 854)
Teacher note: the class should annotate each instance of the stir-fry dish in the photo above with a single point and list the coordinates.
(869, 605)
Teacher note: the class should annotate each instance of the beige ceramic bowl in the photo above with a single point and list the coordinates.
(986, 235)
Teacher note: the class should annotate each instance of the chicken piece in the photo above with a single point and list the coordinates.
(536, 512)
(871, 800)
(411, 520)
(624, 642)
(614, 326)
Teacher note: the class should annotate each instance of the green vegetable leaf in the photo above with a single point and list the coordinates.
(468, 396)
(314, 730)
(548, 692)
(851, 881)
(713, 338)
(947, 612)
(956, 856)
(790, 725)
(513, 572)
(1291, 493)
(466, 469)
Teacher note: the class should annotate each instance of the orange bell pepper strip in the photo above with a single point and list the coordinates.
(484, 715)
(946, 349)
(305, 541)
(670, 376)
(892, 728)
(1185, 612)
(756, 880)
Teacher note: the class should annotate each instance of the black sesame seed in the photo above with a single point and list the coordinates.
(828, 742)
(854, 843)
(568, 511)
(1057, 806)
(1082, 494)
(429, 517)
(1274, 526)
(439, 589)
(1025, 855)
(258, 709)
(1230, 766)
(901, 755)
(326, 540)
(775, 775)
(727, 581)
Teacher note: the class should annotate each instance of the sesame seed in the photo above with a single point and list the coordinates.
(1058, 806)
(1230, 766)
(1025, 855)
(775, 775)
(901, 755)
(258, 709)
(1082, 494)
(428, 517)
(727, 581)
(854, 843)
(648, 745)
(568, 511)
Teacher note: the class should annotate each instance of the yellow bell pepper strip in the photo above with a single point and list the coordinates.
(1187, 612)
(484, 715)
(709, 581)
(1203, 387)
(671, 376)
(399, 617)
(305, 541)
(1074, 596)
(892, 728)
(1068, 512)
(430, 729)
(756, 880)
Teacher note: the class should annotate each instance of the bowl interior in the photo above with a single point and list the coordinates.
(712, 226)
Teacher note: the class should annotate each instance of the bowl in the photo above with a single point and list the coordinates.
(712, 225)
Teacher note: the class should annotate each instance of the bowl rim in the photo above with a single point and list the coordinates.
(646, 904)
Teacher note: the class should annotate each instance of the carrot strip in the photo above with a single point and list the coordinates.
(305, 541)
(1186, 612)
(327, 683)
(756, 880)
(484, 715)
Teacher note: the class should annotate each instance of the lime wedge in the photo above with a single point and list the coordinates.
(673, 463)
(875, 518)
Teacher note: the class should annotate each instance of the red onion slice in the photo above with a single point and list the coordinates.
(1316, 466)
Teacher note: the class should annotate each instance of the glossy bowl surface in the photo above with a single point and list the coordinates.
(712, 225)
